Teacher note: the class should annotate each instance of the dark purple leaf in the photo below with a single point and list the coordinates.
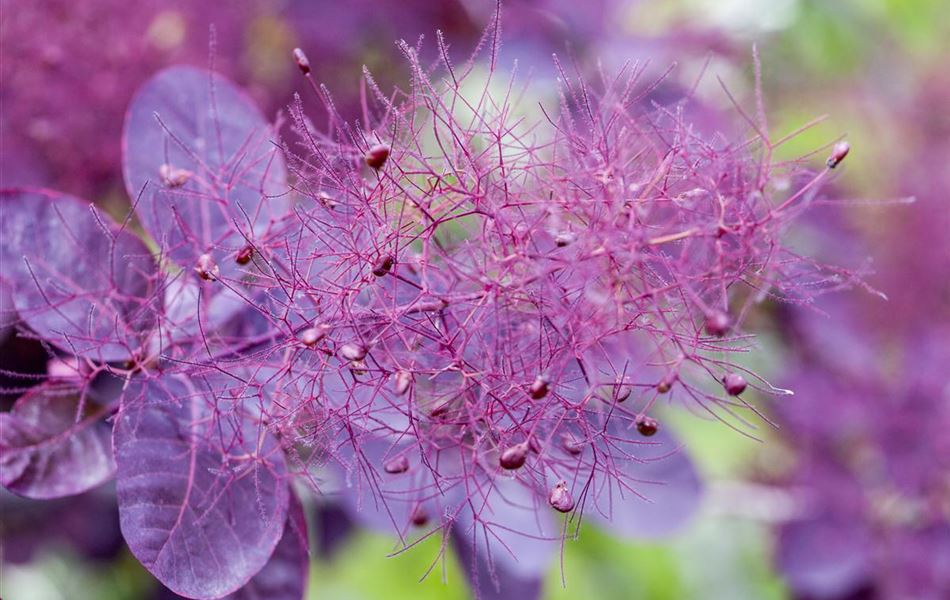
(201, 485)
(214, 178)
(45, 452)
(77, 279)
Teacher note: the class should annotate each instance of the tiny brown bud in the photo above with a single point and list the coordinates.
(838, 153)
(302, 62)
(244, 255)
(513, 457)
(647, 426)
(172, 177)
(718, 323)
(383, 266)
(665, 385)
(402, 381)
(734, 383)
(206, 268)
(540, 387)
(353, 351)
(560, 498)
(377, 155)
(565, 238)
(419, 516)
(397, 465)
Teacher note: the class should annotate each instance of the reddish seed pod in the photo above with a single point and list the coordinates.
(397, 465)
(734, 383)
(560, 498)
(383, 266)
(377, 155)
(838, 153)
(647, 426)
(419, 516)
(302, 62)
(540, 388)
(206, 268)
(353, 352)
(244, 255)
(513, 457)
(665, 385)
(311, 336)
(718, 323)
(402, 380)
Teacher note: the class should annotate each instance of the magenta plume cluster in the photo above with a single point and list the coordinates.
(461, 315)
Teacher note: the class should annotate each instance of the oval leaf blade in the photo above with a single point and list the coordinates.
(202, 492)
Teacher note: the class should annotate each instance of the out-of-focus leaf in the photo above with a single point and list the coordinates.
(45, 452)
(77, 279)
(201, 485)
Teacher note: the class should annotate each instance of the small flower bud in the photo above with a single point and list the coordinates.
(377, 155)
(172, 177)
(571, 445)
(402, 381)
(353, 352)
(397, 465)
(622, 392)
(383, 266)
(665, 385)
(734, 383)
(206, 268)
(311, 336)
(647, 426)
(358, 367)
(303, 63)
(244, 255)
(419, 516)
(560, 498)
(717, 323)
(564, 238)
(540, 387)
(513, 457)
(440, 410)
(838, 153)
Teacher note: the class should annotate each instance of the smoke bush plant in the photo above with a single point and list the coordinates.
(459, 320)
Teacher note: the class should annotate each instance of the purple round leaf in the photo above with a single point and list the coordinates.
(201, 156)
(77, 279)
(284, 577)
(45, 452)
(201, 485)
